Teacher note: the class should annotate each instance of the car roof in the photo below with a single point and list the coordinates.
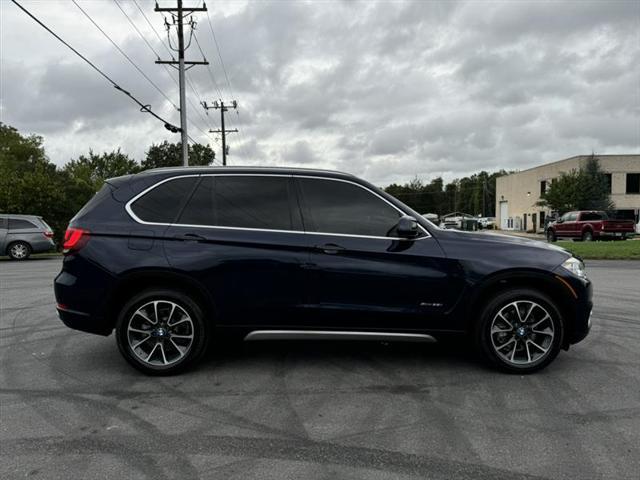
(252, 169)
(19, 215)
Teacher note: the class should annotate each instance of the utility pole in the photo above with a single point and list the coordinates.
(178, 15)
(223, 108)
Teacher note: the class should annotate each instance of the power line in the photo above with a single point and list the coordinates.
(213, 78)
(153, 28)
(178, 21)
(224, 69)
(125, 55)
(145, 108)
(166, 68)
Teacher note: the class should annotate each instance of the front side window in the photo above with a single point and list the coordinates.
(340, 207)
(571, 217)
(163, 203)
(243, 201)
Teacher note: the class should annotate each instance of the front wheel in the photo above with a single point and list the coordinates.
(551, 236)
(161, 332)
(520, 331)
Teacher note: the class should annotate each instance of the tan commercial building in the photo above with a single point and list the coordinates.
(517, 193)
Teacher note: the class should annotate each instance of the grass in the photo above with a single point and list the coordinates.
(609, 250)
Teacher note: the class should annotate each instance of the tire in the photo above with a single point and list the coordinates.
(587, 236)
(536, 341)
(19, 251)
(176, 340)
(551, 236)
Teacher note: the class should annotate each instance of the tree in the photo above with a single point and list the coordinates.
(168, 154)
(583, 189)
(94, 169)
(29, 183)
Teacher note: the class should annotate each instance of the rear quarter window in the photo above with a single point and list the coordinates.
(163, 203)
(20, 224)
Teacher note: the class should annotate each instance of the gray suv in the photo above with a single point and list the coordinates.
(22, 235)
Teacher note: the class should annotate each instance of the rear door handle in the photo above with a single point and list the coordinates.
(191, 237)
(330, 248)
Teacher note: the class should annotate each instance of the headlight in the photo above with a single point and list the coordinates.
(575, 266)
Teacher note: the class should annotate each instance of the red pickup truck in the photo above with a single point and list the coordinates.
(589, 225)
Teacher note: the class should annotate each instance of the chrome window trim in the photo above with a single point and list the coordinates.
(148, 189)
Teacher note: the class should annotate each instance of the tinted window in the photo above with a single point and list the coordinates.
(340, 207)
(199, 208)
(252, 202)
(242, 202)
(3, 223)
(17, 224)
(162, 204)
(590, 216)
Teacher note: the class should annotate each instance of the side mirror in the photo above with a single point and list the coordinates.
(407, 227)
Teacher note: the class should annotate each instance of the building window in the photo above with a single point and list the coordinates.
(607, 176)
(543, 187)
(633, 182)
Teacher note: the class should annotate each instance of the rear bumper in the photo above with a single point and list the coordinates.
(81, 303)
(82, 321)
(616, 234)
(42, 245)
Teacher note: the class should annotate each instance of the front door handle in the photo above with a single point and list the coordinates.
(330, 248)
(191, 237)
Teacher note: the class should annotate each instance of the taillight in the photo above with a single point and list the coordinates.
(48, 234)
(74, 239)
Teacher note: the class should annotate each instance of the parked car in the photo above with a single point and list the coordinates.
(432, 217)
(487, 223)
(172, 258)
(22, 235)
(589, 225)
(459, 221)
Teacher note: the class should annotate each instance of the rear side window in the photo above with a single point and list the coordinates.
(590, 216)
(18, 224)
(240, 201)
(3, 223)
(341, 207)
(163, 203)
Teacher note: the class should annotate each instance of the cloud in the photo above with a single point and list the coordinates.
(385, 90)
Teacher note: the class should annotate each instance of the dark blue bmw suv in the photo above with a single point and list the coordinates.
(173, 258)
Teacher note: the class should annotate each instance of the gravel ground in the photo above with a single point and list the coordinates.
(71, 408)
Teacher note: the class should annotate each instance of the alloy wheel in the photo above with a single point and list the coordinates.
(19, 251)
(522, 333)
(160, 333)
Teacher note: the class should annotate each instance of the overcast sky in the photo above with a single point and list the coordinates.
(386, 90)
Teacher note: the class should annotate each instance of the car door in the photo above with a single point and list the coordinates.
(562, 226)
(241, 236)
(3, 235)
(361, 275)
(572, 225)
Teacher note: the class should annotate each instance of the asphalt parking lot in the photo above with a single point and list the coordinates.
(71, 408)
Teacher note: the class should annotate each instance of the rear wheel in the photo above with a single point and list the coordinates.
(520, 331)
(19, 250)
(587, 236)
(161, 332)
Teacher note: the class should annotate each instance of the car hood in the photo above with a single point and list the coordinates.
(500, 247)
